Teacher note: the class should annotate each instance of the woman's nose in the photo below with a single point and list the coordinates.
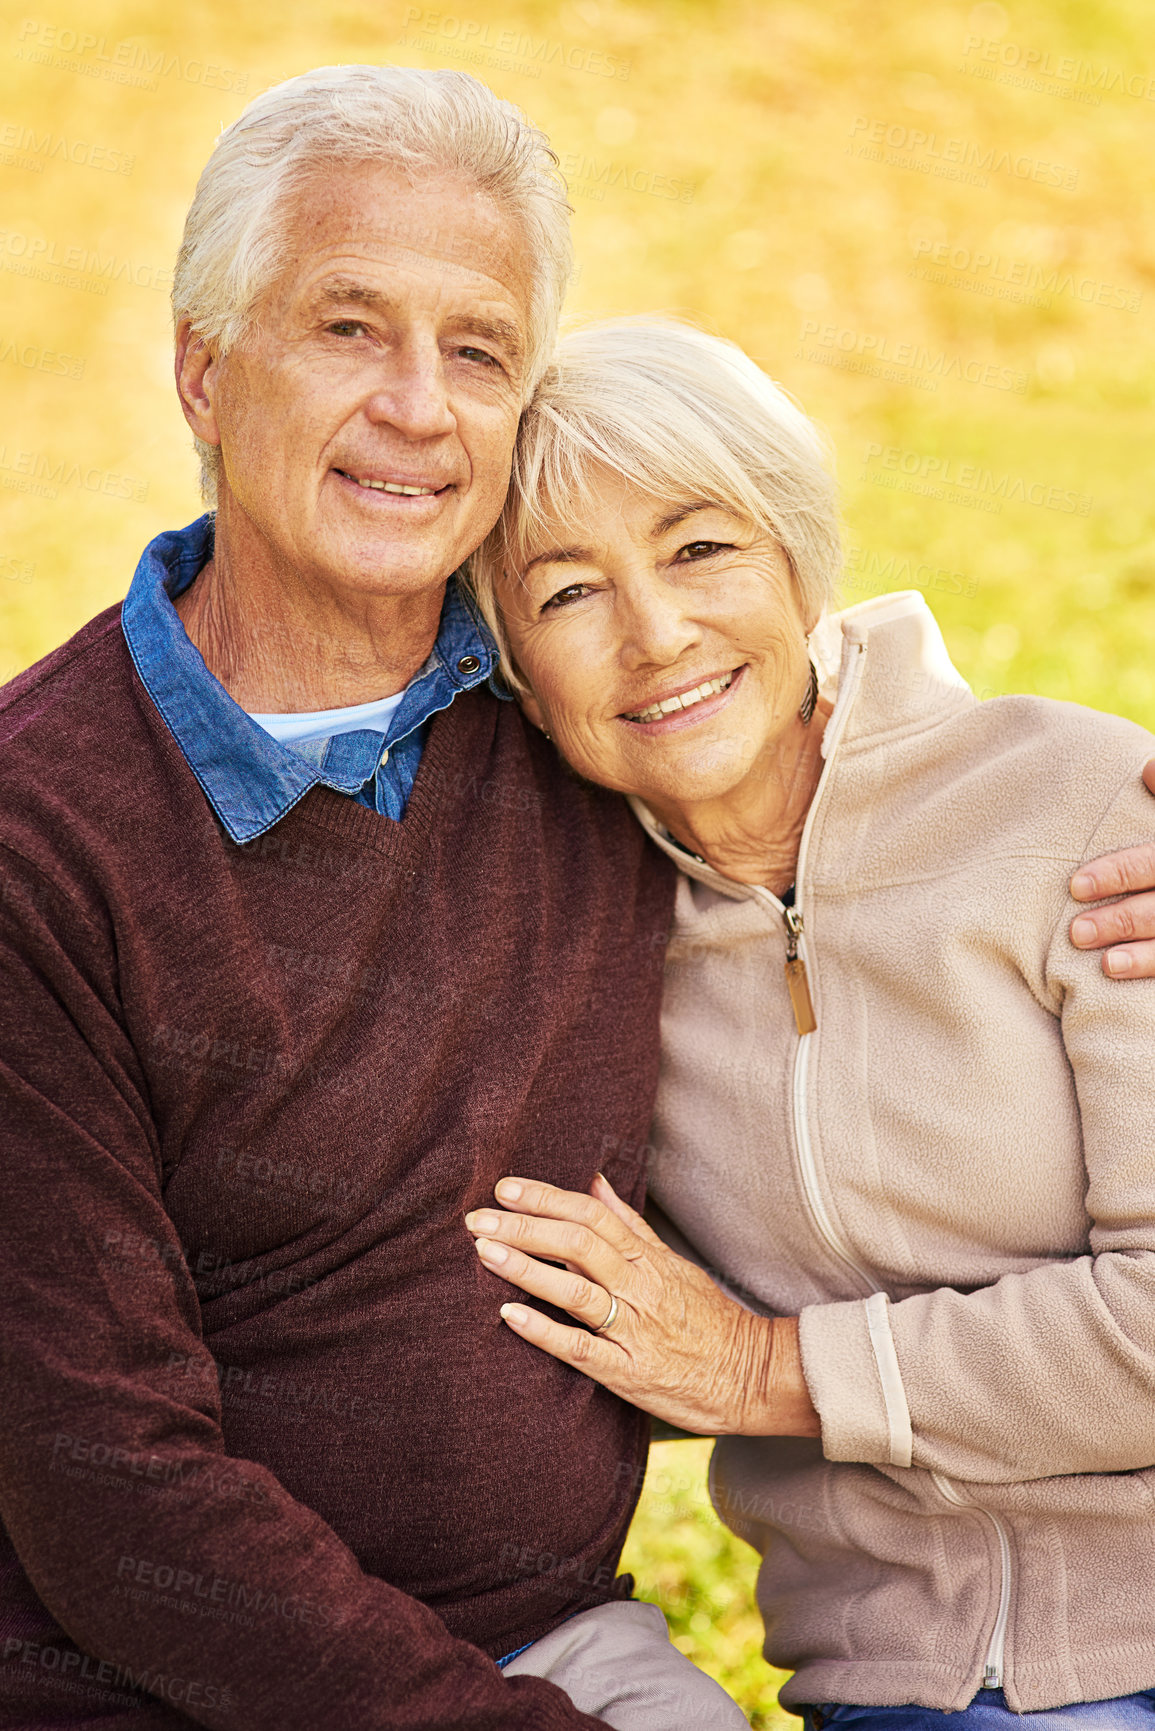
(657, 629)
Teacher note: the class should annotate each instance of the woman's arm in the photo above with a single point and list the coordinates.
(1050, 1370)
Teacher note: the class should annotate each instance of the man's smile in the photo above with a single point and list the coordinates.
(397, 486)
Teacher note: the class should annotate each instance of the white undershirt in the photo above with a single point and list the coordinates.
(327, 723)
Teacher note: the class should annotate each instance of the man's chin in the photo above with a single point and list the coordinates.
(394, 564)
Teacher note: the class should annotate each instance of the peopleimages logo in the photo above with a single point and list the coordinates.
(26, 146)
(938, 477)
(1040, 63)
(484, 43)
(900, 146)
(74, 265)
(66, 49)
(591, 176)
(37, 359)
(882, 356)
(66, 1663)
(1019, 273)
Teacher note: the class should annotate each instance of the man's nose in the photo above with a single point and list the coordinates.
(657, 627)
(412, 394)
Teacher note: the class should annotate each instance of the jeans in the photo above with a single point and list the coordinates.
(989, 1712)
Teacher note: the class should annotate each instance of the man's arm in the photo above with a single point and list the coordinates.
(1128, 926)
(157, 1553)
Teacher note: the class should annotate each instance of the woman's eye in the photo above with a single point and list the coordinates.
(700, 549)
(563, 598)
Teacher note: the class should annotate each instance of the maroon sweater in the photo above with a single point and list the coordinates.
(268, 1452)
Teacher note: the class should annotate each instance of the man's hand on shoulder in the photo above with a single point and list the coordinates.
(1127, 926)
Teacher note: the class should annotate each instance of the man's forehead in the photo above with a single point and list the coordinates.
(383, 212)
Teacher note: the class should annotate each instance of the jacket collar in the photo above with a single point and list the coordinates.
(884, 666)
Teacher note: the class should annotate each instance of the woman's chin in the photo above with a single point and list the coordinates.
(691, 777)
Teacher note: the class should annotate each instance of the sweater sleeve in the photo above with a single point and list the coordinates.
(113, 1467)
(1049, 1371)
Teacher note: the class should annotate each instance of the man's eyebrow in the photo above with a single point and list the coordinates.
(501, 331)
(341, 290)
(345, 291)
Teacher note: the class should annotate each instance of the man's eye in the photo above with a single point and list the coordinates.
(481, 355)
(345, 327)
(572, 592)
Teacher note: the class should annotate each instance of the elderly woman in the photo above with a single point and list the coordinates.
(906, 1127)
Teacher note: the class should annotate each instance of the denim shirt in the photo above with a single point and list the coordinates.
(249, 779)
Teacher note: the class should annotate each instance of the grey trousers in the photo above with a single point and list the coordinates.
(617, 1664)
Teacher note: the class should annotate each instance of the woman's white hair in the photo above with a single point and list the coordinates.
(684, 417)
(235, 240)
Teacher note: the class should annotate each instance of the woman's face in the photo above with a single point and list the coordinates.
(648, 605)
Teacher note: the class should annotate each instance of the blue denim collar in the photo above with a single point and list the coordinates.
(248, 778)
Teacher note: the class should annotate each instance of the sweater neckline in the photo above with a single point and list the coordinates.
(338, 814)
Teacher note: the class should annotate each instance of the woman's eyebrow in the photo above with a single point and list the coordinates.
(560, 556)
(673, 518)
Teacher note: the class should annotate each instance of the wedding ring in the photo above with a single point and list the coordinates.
(611, 1318)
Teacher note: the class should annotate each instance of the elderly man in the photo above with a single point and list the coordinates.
(305, 942)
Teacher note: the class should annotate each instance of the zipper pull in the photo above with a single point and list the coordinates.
(796, 981)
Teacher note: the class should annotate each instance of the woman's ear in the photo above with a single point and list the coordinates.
(532, 708)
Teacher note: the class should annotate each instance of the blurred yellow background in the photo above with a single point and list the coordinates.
(927, 220)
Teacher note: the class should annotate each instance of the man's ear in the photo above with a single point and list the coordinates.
(195, 383)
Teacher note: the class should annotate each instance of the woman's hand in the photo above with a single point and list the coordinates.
(1129, 926)
(677, 1347)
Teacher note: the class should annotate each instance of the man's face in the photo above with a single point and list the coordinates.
(390, 354)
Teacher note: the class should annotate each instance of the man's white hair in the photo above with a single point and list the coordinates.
(235, 241)
(685, 418)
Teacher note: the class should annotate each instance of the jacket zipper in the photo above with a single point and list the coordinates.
(796, 954)
(993, 1664)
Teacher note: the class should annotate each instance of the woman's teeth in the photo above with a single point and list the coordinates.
(687, 700)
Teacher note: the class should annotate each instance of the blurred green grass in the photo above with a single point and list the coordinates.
(686, 1561)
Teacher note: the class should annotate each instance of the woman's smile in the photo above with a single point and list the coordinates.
(686, 706)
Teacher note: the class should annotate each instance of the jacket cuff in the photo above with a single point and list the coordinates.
(851, 1370)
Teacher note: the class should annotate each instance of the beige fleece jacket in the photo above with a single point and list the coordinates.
(952, 1180)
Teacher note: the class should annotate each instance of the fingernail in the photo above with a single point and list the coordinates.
(509, 1190)
(482, 1221)
(515, 1313)
(1118, 962)
(1083, 884)
(490, 1251)
(1083, 930)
